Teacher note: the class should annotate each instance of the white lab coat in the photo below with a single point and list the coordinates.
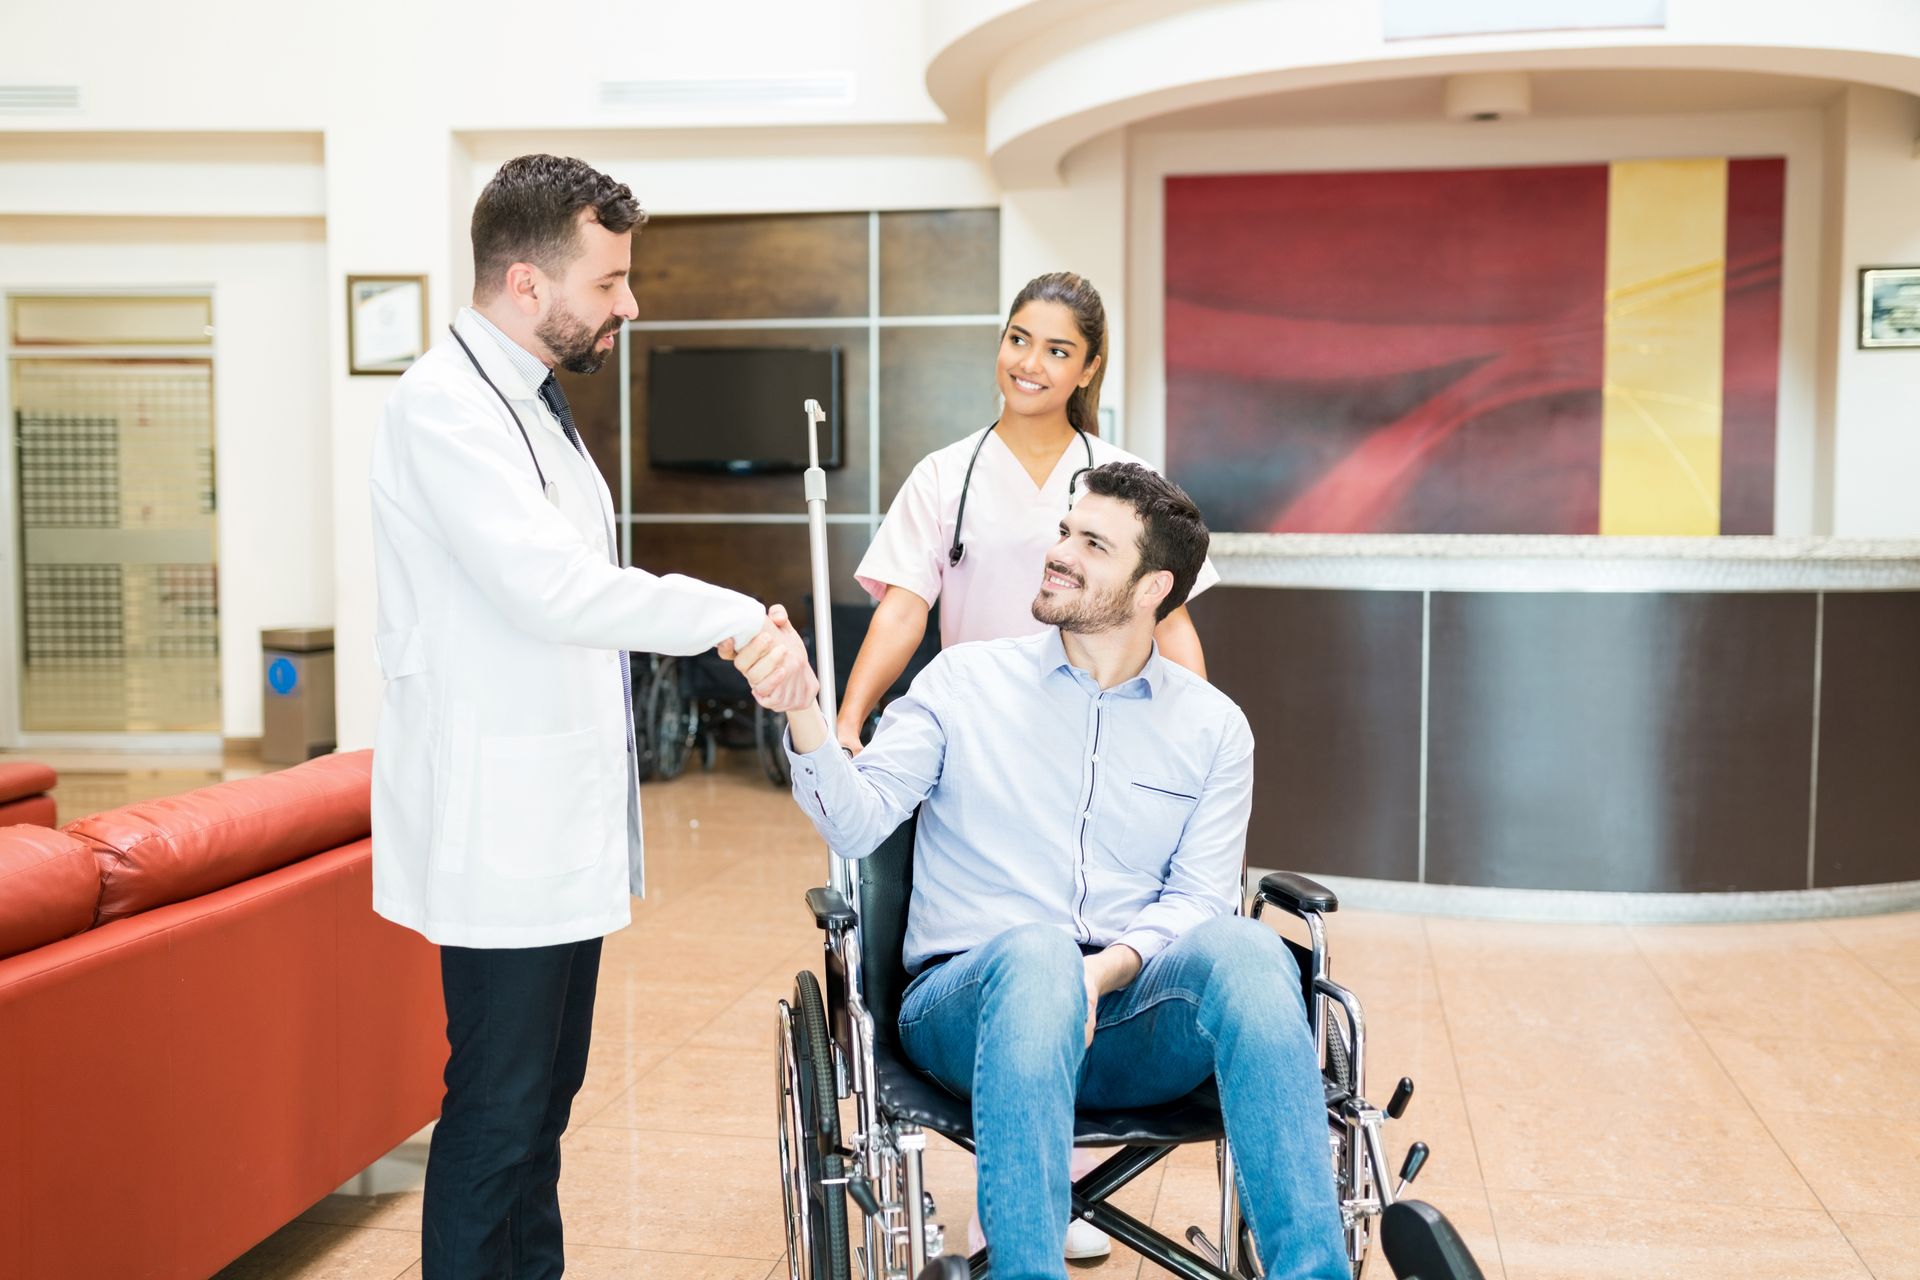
(506, 810)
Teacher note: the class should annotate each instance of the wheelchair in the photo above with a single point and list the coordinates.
(698, 704)
(841, 1043)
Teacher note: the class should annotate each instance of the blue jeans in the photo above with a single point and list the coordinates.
(1005, 1025)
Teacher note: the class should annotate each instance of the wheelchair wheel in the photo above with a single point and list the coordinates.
(769, 732)
(672, 719)
(642, 726)
(809, 1132)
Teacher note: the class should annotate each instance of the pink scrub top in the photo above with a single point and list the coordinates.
(1010, 527)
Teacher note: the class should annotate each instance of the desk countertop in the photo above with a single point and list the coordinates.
(1454, 562)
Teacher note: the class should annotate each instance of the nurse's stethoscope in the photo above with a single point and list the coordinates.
(547, 486)
(958, 551)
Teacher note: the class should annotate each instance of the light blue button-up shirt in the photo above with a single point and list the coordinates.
(1118, 815)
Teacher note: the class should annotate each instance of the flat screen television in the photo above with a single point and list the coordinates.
(739, 409)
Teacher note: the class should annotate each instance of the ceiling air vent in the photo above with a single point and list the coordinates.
(33, 99)
(829, 90)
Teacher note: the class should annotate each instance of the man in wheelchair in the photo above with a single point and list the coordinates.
(1072, 932)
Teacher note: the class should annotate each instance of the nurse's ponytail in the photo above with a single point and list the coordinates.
(1083, 300)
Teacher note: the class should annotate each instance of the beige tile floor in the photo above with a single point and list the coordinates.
(1602, 1102)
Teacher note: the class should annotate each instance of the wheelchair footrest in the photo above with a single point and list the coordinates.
(1421, 1244)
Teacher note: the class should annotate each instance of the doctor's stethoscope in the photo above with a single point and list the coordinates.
(958, 551)
(547, 487)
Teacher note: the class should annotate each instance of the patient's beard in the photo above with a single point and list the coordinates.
(575, 346)
(1091, 613)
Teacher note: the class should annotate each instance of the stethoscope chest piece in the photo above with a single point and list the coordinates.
(552, 491)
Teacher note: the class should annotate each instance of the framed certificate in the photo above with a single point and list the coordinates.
(386, 323)
(1890, 307)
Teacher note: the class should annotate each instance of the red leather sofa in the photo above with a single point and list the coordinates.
(204, 1028)
(23, 794)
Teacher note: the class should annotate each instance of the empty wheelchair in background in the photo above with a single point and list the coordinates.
(841, 1042)
(688, 705)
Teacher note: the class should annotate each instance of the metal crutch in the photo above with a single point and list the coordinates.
(816, 490)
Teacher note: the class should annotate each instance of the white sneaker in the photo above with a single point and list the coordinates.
(1085, 1242)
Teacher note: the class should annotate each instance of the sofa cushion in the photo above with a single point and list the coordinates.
(170, 850)
(36, 811)
(49, 886)
(22, 778)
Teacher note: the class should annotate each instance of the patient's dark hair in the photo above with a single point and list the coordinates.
(529, 212)
(1174, 538)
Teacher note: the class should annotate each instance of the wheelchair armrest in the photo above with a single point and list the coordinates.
(1291, 891)
(830, 910)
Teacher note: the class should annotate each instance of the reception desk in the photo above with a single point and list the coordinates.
(1640, 716)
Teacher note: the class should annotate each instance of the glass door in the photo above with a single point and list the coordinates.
(117, 603)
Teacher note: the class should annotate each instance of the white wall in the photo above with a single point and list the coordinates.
(1082, 226)
(1797, 135)
(273, 459)
(1876, 409)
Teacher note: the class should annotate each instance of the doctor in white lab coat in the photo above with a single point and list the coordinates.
(506, 818)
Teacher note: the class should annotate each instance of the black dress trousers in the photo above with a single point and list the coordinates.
(518, 1024)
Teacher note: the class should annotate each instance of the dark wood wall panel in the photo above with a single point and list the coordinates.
(1637, 742)
(595, 401)
(1330, 682)
(1868, 821)
(658, 491)
(936, 385)
(752, 267)
(767, 561)
(943, 262)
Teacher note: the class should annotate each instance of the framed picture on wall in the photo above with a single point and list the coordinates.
(1890, 307)
(386, 323)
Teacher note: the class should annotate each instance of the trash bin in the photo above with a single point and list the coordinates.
(297, 705)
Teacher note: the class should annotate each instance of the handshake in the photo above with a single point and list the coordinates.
(775, 665)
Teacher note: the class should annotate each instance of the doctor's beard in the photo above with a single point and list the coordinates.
(575, 346)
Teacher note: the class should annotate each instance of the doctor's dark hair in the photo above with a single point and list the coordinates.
(1175, 537)
(529, 210)
(1090, 314)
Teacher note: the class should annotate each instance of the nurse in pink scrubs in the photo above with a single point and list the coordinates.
(971, 526)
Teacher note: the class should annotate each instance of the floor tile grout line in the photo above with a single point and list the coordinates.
(1453, 1055)
(1898, 989)
(692, 1035)
(684, 1043)
(1753, 1107)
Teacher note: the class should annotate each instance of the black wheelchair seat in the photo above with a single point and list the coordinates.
(908, 1093)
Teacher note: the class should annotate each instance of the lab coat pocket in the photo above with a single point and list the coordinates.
(539, 805)
(1157, 812)
(402, 653)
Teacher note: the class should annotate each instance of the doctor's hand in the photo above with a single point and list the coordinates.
(775, 665)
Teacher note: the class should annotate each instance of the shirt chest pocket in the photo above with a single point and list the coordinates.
(1154, 810)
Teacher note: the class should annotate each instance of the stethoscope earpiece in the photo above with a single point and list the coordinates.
(955, 554)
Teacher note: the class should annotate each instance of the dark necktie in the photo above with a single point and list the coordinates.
(556, 400)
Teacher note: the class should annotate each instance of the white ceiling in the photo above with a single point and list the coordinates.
(1556, 94)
